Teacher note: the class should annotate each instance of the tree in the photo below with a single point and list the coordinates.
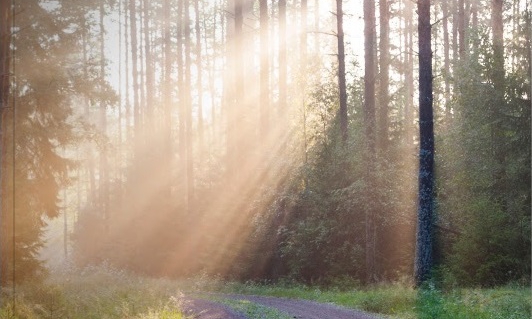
(424, 234)
(188, 107)
(5, 81)
(282, 57)
(38, 120)
(264, 68)
(135, 72)
(384, 57)
(341, 70)
(199, 78)
(369, 125)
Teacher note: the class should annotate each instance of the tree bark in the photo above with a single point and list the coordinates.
(104, 170)
(150, 89)
(5, 84)
(188, 108)
(282, 57)
(369, 124)
(424, 234)
(264, 69)
(167, 98)
(446, 61)
(341, 71)
(384, 62)
(199, 79)
(135, 73)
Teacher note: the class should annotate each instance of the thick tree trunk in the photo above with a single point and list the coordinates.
(341, 70)
(424, 234)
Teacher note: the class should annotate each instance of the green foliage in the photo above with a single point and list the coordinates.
(253, 310)
(98, 292)
(401, 300)
(42, 96)
(484, 176)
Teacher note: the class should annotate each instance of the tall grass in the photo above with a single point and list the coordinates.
(94, 293)
(106, 293)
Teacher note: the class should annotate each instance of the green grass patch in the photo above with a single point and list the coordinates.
(95, 293)
(404, 302)
(253, 310)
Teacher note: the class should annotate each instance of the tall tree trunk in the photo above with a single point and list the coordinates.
(199, 78)
(384, 62)
(446, 62)
(149, 106)
(409, 75)
(104, 178)
(167, 98)
(135, 73)
(118, 166)
(264, 70)
(182, 103)
(91, 189)
(317, 27)
(5, 84)
(282, 57)
(128, 101)
(235, 106)
(369, 123)
(424, 233)
(497, 26)
(303, 72)
(461, 29)
(188, 108)
(341, 70)
(498, 75)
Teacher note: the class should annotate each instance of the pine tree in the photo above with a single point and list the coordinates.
(424, 234)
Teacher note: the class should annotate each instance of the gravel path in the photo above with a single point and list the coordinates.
(299, 309)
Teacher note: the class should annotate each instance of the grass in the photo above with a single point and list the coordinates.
(253, 310)
(105, 293)
(402, 301)
(95, 293)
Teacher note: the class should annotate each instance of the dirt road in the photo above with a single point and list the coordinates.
(300, 309)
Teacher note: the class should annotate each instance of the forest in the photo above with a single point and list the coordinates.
(320, 143)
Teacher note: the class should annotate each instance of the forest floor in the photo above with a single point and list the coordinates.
(288, 308)
(105, 292)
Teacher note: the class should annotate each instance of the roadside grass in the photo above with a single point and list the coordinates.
(105, 293)
(253, 310)
(95, 293)
(402, 301)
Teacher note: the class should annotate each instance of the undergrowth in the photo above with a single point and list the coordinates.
(94, 293)
(106, 293)
(253, 310)
(402, 301)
